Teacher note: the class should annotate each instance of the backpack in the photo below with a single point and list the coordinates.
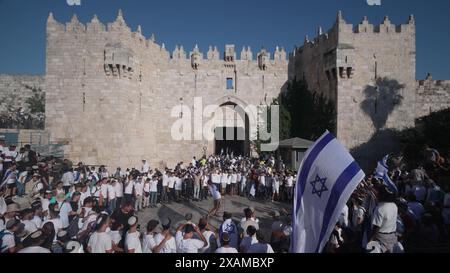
(3, 233)
(73, 228)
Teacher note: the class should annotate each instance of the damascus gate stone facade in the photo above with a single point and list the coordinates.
(113, 96)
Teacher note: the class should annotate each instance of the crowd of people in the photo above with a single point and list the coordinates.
(48, 205)
(413, 216)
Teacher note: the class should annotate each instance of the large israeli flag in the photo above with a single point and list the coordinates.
(327, 177)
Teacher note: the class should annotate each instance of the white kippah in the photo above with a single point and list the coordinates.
(132, 221)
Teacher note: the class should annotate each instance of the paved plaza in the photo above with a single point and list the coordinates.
(234, 204)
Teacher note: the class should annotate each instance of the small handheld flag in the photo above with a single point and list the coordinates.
(382, 173)
(326, 179)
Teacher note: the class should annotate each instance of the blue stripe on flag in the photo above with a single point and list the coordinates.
(341, 183)
(306, 167)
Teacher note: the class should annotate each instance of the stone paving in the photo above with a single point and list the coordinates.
(234, 204)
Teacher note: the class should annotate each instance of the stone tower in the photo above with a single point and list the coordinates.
(368, 71)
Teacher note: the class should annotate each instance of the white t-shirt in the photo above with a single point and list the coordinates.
(111, 192)
(100, 242)
(178, 184)
(170, 245)
(148, 243)
(343, 217)
(139, 188)
(188, 245)
(9, 153)
(154, 185)
(226, 250)
(37, 221)
(289, 181)
(262, 180)
(207, 234)
(67, 179)
(386, 217)
(358, 213)
(129, 187)
(115, 236)
(104, 190)
(30, 226)
(165, 180)
(132, 242)
(34, 249)
(119, 189)
(171, 183)
(260, 248)
(214, 192)
(147, 187)
(7, 241)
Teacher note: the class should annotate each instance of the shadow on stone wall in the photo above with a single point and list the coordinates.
(379, 103)
(383, 142)
(381, 100)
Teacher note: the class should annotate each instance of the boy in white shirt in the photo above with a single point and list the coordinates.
(100, 241)
(132, 240)
(185, 242)
(225, 242)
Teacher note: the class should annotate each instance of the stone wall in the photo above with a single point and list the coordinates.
(15, 90)
(432, 96)
(113, 95)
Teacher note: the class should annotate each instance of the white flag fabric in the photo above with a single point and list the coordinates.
(382, 172)
(326, 179)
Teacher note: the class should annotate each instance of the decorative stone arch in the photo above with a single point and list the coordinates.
(241, 107)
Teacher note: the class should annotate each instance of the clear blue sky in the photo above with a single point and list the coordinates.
(243, 22)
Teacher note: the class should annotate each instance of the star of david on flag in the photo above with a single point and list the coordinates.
(326, 179)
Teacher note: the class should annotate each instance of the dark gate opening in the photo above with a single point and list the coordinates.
(230, 140)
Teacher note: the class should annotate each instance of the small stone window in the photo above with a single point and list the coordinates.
(230, 85)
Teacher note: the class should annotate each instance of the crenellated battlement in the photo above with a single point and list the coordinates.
(428, 85)
(120, 27)
(341, 27)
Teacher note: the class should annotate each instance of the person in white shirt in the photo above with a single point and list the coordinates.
(68, 180)
(210, 236)
(343, 217)
(357, 215)
(112, 199)
(100, 241)
(178, 186)
(289, 184)
(165, 241)
(225, 245)
(36, 240)
(118, 187)
(8, 243)
(54, 219)
(260, 246)
(128, 189)
(138, 194)
(132, 240)
(171, 187)
(185, 242)
(145, 166)
(223, 182)
(165, 185)
(217, 197)
(146, 198)
(153, 191)
(384, 224)
(275, 187)
(27, 216)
